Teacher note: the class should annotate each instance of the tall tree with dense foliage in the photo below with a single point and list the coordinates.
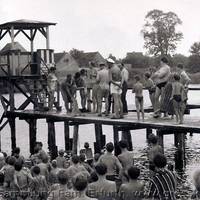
(160, 32)
(195, 49)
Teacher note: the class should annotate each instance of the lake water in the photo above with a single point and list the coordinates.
(86, 133)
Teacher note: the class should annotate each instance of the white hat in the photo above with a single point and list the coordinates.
(110, 60)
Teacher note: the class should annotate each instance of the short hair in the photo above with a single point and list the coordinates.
(133, 172)
(45, 159)
(75, 159)
(39, 143)
(16, 150)
(61, 152)
(18, 166)
(123, 144)
(147, 75)
(52, 69)
(82, 157)
(62, 177)
(36, 149)
(176, 77)
(82, 71)
(160, 160)
(36, 170)
(77, 75)
(180, 66)
(11, 160)
(137, 78)
(54, 163)
(164, 60)
(153, 139)
(101, 169)
(109, 147)
(86, 145)
(80, 182)
(93, 177)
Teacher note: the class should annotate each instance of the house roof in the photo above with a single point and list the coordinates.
(86, 58)
(8, 47)
(25, 24)
(58, 56)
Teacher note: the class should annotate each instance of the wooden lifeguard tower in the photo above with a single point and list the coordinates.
(26, 79)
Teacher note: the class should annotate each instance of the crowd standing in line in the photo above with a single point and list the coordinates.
(167, 90)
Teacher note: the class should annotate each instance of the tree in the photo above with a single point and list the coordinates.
(76, 54)
(137, 60)
(159, 32)
(195, 49)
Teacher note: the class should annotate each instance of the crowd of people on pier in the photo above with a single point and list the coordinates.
(167, 89)
(101, 176)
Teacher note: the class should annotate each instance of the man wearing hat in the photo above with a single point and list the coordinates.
(103, 81)
(116, 88)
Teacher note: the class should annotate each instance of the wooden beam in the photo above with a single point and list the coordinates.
(43, 32)
(52, 140)
(116, 139)
(75, 139)
(26, 35)
(32, 134)
(66, 136)
(17, 33)
(2, 35)
(98, 136)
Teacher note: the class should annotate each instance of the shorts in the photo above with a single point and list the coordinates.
(161, 85)
(177, 98)
(140, 99)
(114, 89)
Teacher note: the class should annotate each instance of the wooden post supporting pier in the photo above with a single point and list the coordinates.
(180, 152)
(126, 135)
(52, 139)
(116, 139)
(75, 139)
(160, 138)
(148, 133)
(67, 136)
(99, 138)
(32, 134)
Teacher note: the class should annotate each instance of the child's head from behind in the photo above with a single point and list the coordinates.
(153, 139)
(137, 78)
(133, 172)
(147, 75)
(109, 147)
(123, 144)
(80, 181)
(36, 170)
(176, 77)
(101, 169)
(160, 160)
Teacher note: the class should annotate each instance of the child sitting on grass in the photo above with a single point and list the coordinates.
(139, 101)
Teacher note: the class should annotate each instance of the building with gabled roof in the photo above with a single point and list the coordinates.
(65, 64)
(88, 57)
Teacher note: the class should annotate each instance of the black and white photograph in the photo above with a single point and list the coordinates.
(99, 100)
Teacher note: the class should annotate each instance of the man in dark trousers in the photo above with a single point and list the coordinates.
(125, 76)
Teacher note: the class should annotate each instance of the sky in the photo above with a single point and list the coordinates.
(107, 26)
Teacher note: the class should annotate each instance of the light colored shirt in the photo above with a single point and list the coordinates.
(185, 79)
(124, 75)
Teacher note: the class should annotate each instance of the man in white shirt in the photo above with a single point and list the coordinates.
(124, 81)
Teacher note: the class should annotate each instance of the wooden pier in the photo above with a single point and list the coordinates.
(129, 122)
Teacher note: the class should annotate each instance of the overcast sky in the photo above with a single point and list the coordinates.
(107, 26)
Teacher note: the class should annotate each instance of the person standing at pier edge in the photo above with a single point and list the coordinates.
(161, 76)
(81, 85)
(51, 86)
(139, 100)
(103, 81)
(150, 86)
(125, 77)
(116, 91)
(68, 91)
(177, 97)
